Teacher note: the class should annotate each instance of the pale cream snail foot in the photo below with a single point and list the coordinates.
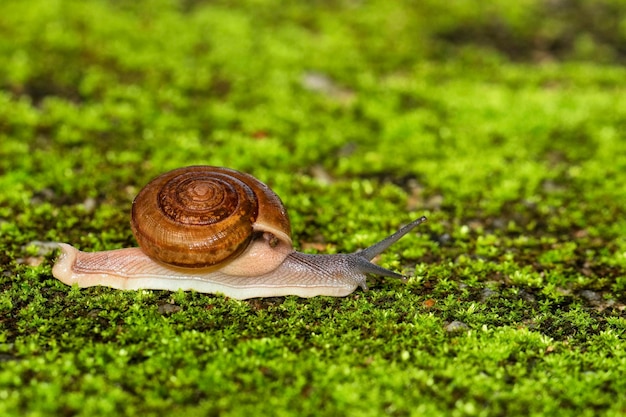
(216, 230)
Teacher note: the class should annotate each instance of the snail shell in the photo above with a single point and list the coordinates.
(218, 230)
(202, 216)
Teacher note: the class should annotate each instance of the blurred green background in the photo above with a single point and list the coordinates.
(503, 122)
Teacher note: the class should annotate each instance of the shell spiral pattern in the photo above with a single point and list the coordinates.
(199, 216)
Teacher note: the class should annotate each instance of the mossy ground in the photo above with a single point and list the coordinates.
(503, 122)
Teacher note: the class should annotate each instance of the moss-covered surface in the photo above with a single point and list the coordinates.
(503, 122)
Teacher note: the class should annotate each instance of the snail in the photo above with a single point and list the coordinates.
(217, 230)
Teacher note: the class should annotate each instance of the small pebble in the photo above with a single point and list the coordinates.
(591, 296)
(526, 296)
(487, 293)
(456, 327)
(443, 239)
(317, 82)
(90, 204)
(168, 308)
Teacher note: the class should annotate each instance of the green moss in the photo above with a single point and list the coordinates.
(504, 124)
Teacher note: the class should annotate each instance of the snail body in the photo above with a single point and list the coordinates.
(217, 230)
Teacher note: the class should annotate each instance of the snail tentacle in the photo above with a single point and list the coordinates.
(369, 253)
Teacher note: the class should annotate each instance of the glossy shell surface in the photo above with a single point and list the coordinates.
(202, 216)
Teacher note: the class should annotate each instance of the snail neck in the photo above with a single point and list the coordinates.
(264, 254)
(338, 270)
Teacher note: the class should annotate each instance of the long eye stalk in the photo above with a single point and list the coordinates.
(368, 254)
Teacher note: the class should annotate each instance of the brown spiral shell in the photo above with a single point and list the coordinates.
(201, 216)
